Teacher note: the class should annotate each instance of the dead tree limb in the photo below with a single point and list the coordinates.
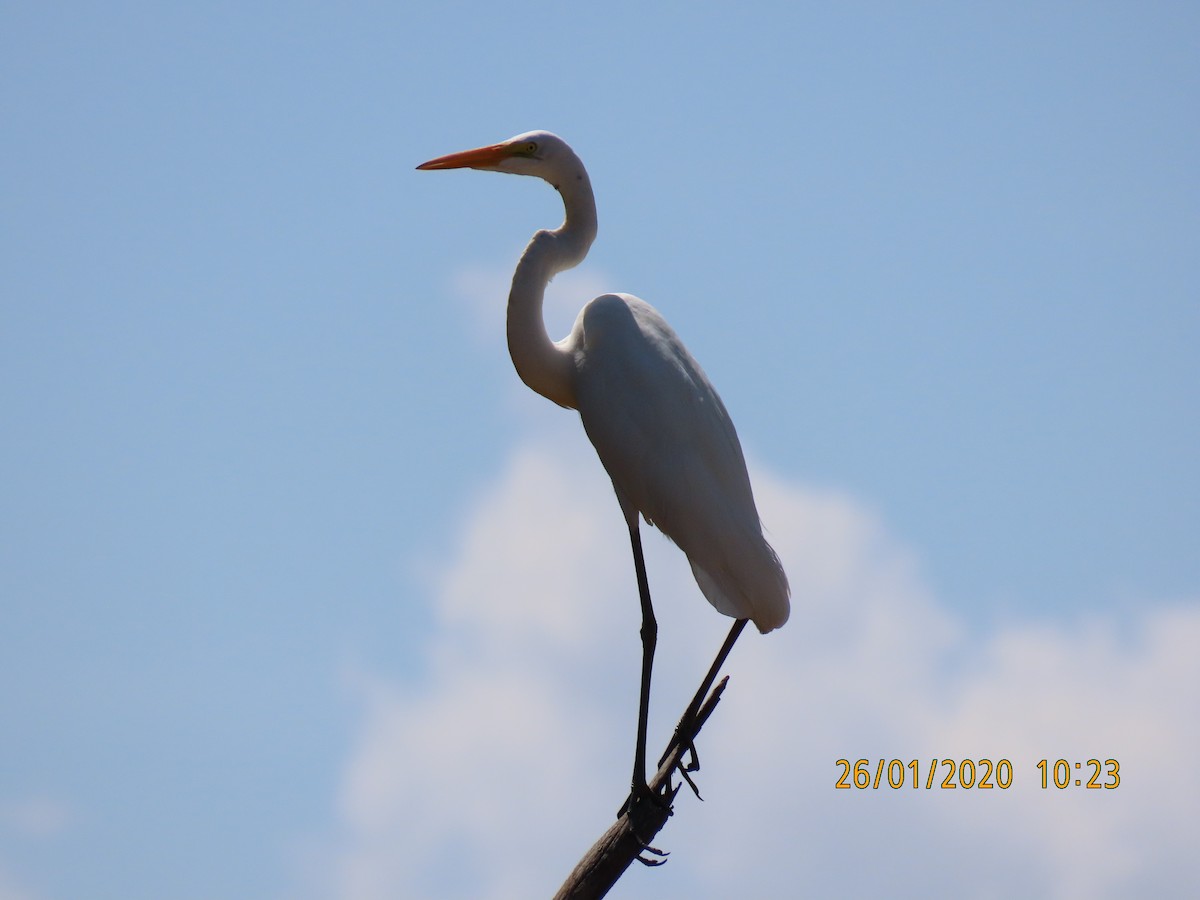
(629, 837)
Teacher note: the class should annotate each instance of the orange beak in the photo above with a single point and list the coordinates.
(479, 158)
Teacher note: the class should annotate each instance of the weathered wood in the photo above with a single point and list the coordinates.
(628, 837)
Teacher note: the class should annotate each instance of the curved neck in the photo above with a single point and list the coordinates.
(546, 367)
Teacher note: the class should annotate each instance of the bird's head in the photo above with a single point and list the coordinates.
(538, 153)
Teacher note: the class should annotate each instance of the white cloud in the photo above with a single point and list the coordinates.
(490, 776)
(37, 816)
(10, 889)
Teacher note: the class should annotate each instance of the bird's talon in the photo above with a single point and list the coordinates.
(694, 763)
(645, 847)
(686, 777)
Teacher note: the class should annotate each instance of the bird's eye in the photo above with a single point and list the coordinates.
(531, 148)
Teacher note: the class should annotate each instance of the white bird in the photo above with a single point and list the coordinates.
(657, 424)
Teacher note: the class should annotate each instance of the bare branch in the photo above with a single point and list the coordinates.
(629, 837)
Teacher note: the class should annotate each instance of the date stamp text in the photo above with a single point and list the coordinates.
(972, 774)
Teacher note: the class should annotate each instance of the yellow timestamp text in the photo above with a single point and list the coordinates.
(1065, 773)
(947, 774)
(971, 774)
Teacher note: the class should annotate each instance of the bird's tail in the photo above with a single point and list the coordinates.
(751, 584)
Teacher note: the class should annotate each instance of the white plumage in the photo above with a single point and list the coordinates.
(656, 422)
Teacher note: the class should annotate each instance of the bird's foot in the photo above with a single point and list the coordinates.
(640, 793)
(684, 739)
(643, 802)
(693, 765)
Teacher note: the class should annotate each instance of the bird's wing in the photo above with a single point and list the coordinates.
(669, 446)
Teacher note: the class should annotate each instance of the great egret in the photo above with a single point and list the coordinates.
(656, 422)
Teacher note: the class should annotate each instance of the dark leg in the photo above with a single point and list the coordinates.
(649, 634)
(683, 731)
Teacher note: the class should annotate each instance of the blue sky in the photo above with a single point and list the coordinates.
(287, 549)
